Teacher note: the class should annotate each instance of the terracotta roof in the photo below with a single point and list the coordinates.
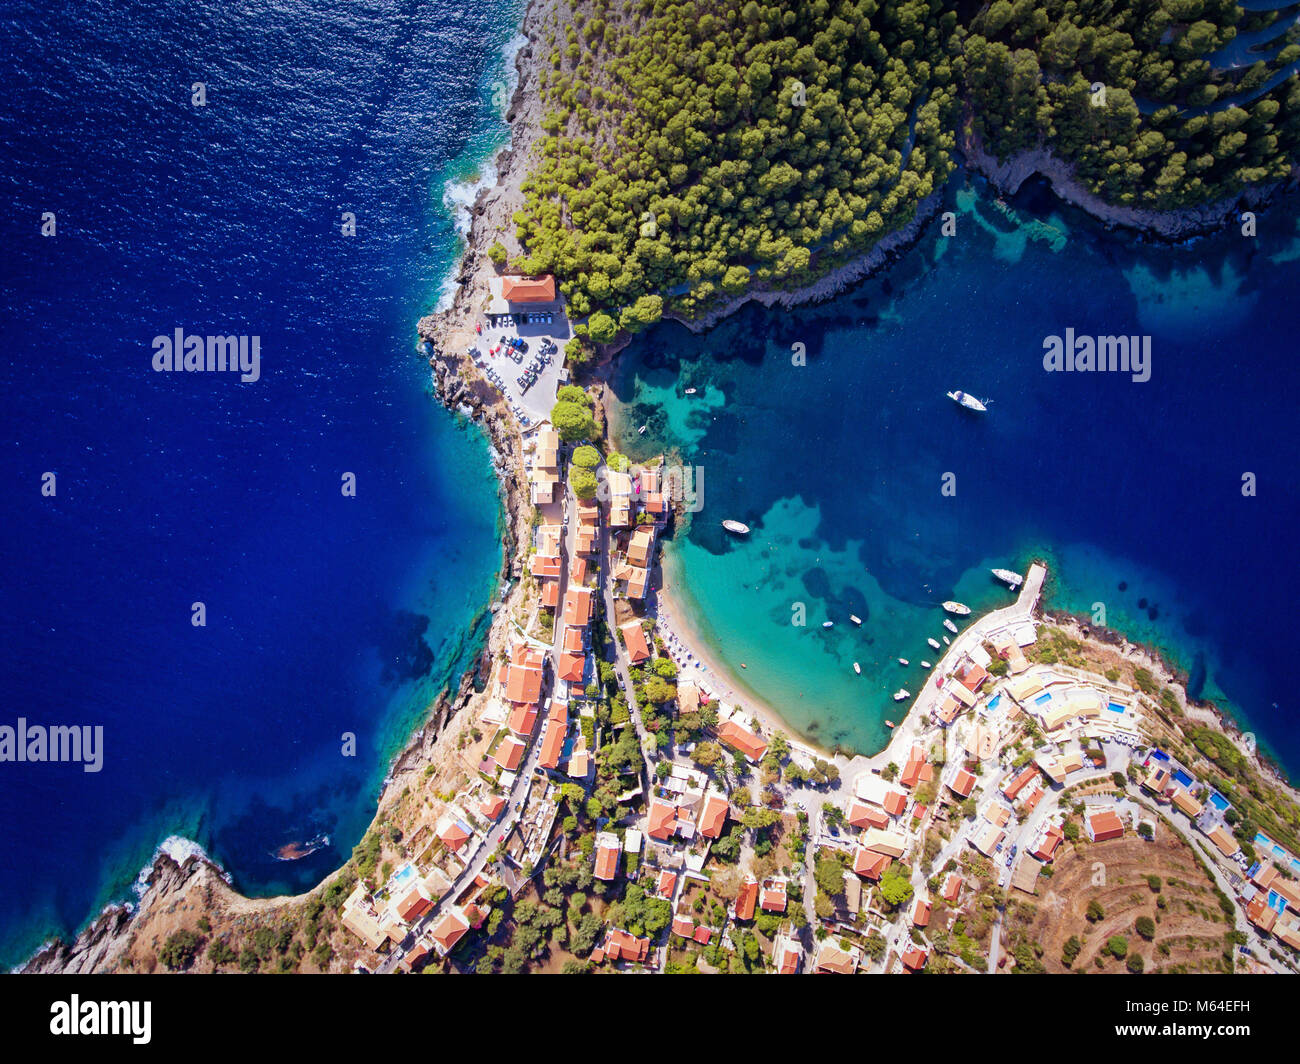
(607, 851)
(662, 818)
(570, 667)
(895, 802)
(952, 887)
(1105, 825)
(787, 960)
(869, 864)
(833, 960)
(528, 289)
(638, 647)
(551, 594)
(702, 935)
(742, 739)
(523, 684)
(492, 805)
(963, 783)
(523, 718)
(454, 835)
(914, 959)
(774, 899)
(553, 743)
(1016, 785)
(713, 817)
(414, 903)
(683, 926)
(861, 815)
(665, 883)
(1222, 838)
(747, 900)
(622, 946)
(449, 930)
(1052, 838)
(510, 753)
(578, 602)
(921, 913)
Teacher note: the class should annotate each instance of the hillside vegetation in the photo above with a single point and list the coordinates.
(696, 148)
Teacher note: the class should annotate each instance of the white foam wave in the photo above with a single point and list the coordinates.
(179, 849)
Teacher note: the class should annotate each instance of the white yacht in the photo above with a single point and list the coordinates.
(857, 668)
(957, 608)
(926, 665)
(903, 661)
(1008, 577)
(934, 643)
(855, 618)
(738, 527)
(901, 694)
(968, 401)
(950, 626)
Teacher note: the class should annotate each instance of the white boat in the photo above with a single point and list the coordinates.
(641, 430)
(1008, 577)
(828, 624)
(903, 661)
(738, 527)
(902, 693)
(968, 401)
(855, 619)
(857, 668)
(933, 643)
(926, 665)
(950, 626)
(689, 391)
(947, 642)
(956, 608)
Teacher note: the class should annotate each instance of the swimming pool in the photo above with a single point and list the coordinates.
(1219, 802)
(1276, 901)
(402, 876)
(1046, 696)
(1182, 778)
(1117, 707)
(1263, 842)
(994, 701)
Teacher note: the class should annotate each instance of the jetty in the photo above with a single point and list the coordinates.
(1008, 618)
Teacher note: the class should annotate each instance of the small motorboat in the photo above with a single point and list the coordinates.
(933, 643)
(901, 694)
(957, 608)
(968, 401)
(947, 642)
(743, 665)
(903, 661)
(890, 724)
(855, 619)
(689, 391)
(1008, 577)
(738, 527)
(926, 665)
(857, 668)
(828, 624)
(950, 626)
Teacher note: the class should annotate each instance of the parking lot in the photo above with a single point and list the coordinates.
(522, 355)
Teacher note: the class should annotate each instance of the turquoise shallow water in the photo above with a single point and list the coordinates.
(1131, 491)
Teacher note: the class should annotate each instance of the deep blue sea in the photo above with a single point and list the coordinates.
(325, 614)
(1131, 490)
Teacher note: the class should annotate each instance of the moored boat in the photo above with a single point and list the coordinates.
(947, 642)
(967, 400)
(738, 527)
(950, 626)
(902, 661)
(689, 391)
(855, 618)
(1008, 577)
(933, 643)
(828, 624)
(901, 694)
(926, 665)
(957, 608)
(857, 668)
(890, 724)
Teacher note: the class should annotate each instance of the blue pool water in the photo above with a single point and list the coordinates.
(1182, 778)
(1115, 707)
(1043, 699)
(995, 701)
(1219, 802)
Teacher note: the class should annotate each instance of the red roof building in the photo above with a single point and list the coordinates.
(861, 815)
(449, 930)
(774, 896)
(1105, 825)
(638, 647)
(743, 740)
(962, 784)
(608, 849)
(1018, 784)
(747, 900)
(921, 913)
(869, 864)
(713, 817)
(622, 946)
(528, 289)
(914, 959)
